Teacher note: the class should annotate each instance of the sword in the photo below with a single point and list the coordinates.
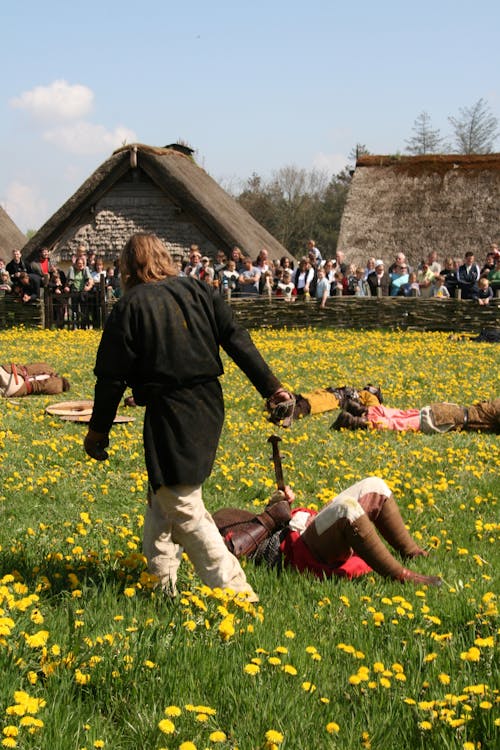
(278, 468)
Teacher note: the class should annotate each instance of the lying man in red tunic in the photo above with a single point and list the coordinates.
(483, 416)
(340, 540)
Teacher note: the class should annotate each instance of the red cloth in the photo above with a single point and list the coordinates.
(298, 556)
(385, 418)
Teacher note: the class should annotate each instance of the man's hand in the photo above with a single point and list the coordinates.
(95, 444)
(281, 407)
(278, 495)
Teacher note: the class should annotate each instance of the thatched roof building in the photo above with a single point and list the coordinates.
(148, 189)
(11, 237)
(448, 203)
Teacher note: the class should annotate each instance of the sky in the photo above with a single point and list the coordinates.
(252, 86)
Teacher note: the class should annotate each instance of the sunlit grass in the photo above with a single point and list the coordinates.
(93, 657)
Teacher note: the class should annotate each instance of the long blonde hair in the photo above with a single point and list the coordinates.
(145, 259)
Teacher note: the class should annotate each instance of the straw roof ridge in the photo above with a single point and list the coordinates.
(11, 237)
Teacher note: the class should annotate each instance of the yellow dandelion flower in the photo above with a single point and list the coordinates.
(332, 727)
(217, 736)
(444, 679)
(273, 736)
(425, 725)
(172, 711)
(251, 669)
(187, 746)
(289, 634)
(166, 726)
(288, 669)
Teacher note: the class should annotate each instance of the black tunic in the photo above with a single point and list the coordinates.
(162, 339)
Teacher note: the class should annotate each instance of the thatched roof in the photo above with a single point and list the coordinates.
(448, 203)
(194, 192)
(11, 237)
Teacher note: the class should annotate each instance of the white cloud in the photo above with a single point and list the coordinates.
(87, 138)
(25, 206)
(332, 163)
(58, 101)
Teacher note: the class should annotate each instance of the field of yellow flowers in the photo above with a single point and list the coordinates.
(93, 657)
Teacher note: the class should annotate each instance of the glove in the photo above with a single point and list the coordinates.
(95, 443)
(281, 406)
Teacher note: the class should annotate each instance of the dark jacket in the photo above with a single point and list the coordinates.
(162, 339)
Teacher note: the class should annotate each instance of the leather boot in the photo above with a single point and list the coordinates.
(356, 408)
(364, 540)
(390, 524)
(349, 422)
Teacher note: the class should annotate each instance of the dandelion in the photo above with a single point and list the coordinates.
(251, 669)
(289, 634)
(274, 737)
(332, 727)
(187, 746)
(288, 669)
(217, 736)
(166, 726)
(444, 679)
(172, 711)
(425, 725)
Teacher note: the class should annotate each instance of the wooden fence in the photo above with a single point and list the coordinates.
(389, 313)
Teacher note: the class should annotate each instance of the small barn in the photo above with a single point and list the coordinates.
(147, 189)
(448, 203)
(11, 237)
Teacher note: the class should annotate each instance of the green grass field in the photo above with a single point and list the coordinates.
(93, 657)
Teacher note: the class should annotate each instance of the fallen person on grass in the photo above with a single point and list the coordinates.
(26, 380)
(483, 416)
(340, 540)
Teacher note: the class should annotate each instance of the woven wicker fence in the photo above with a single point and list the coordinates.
(340, 312)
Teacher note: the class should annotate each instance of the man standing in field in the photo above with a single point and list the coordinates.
(162, 339)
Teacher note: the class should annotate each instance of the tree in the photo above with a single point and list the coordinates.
(358, 150)
(475, 129)
(426, 140)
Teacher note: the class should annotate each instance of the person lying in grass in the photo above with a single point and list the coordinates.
(483, 416)
(26, 380)
(341, 540)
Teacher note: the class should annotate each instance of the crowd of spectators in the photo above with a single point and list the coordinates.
(76, 294)
(313, 276)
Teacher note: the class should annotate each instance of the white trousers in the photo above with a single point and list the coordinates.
(176, 520)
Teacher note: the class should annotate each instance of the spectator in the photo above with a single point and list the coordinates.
(433, 263)
(59, 294)
(285, 289)
(248, 280)
(398, 278)
(5, 281)
(230, 278)
(439, 288)
(219, 266)
(450, 275)
(494, 276)
(361, 288)
(322, 287)
(304, 278)
(206, 272)
(378, 280)
(489, 264)
(370, 267)
(399, 260)
(425, 277)
(194, 266)
(311, 247)
(80, 284)
(338, 286)
(112, 281)
(16, 265)
(42, 266)
(239, 260)
(468, 275)
(484, 291)
(27, 288)
(285, 262)
(412, 287)
(340, 264)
